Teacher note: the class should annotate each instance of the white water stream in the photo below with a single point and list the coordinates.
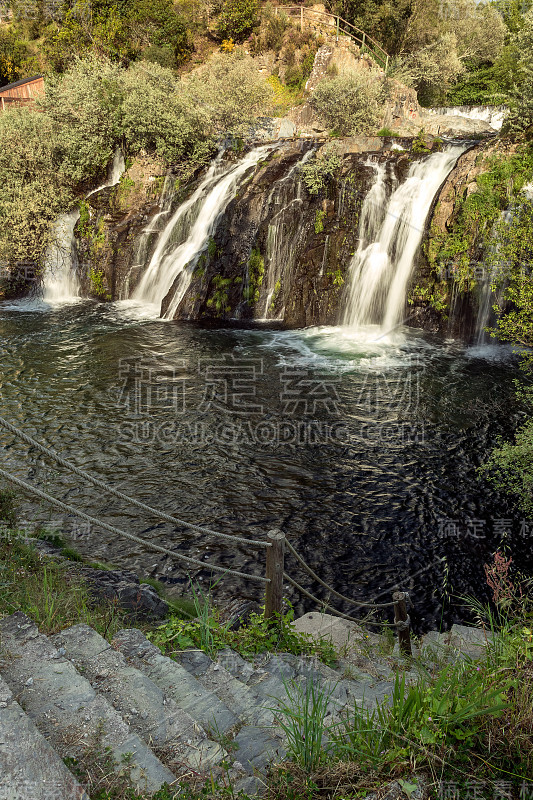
(60, 280)
(197, 217)
(391, 231)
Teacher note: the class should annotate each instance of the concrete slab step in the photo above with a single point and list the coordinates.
(64, 706)
(249, 706)
(30, 768)
(178, 739)
(187, 692)
(256, 742)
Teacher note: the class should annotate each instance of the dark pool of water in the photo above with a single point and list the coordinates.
(364, 452)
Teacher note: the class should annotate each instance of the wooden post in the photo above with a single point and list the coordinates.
(386, 64)
(275, 566)
(338, 26)
(302, 18)
(400, 615)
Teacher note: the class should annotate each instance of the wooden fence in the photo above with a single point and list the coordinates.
(339, 26)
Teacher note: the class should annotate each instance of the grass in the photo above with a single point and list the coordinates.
(464, 722)
(48, 590)
(387, 132)
(207, 632)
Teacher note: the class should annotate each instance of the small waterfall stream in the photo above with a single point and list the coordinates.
(494, 115)
(60, 282)
(188, 231)
(60, 279)
(390, 234)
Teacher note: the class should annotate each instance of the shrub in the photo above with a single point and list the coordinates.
(237, 20)
(350, 103)
(317, 172)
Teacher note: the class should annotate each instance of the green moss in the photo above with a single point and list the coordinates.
(256, 272)
(319, 221)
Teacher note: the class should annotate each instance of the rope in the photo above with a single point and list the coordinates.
(327, 605)
(403, 624)
(322, 583)
(71, 510)
(97, 482)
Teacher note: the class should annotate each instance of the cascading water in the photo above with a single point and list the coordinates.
(143, 245)
(390, 235)
(280, 250)
(60, 280)
(494, 115)
(114, 174)
(188, 231)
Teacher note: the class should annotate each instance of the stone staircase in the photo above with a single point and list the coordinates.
(161, 720)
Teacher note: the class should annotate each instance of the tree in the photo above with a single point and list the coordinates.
(431, 70)
(237, 19)
(522, 119)
(12, 56)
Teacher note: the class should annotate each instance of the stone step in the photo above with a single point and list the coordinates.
(179, 684)
(254, 742)
(249, 705)
(29, 766)
(178, 739)
(66, 709)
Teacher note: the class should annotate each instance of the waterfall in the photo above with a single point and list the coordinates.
(487, 297)
(282, 234)
(188, 231)
(60, 282)
(494, 115)
(114, 173)
(141, 250)
(390, 233)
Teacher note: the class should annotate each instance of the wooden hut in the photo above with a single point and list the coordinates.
(21, 92)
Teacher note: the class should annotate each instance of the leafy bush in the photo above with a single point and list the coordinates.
(49, 159)
(237, 19)
(350, 104)
(12, 56)
(257, 635)
(320, 170)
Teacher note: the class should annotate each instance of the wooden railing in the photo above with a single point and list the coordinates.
(340, 25)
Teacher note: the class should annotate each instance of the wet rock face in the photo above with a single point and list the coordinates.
(280, 252)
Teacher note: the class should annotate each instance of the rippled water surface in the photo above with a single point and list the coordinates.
(364, 449)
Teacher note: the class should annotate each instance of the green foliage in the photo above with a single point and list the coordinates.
(522, 118)
(319, 220)
(302, 718)
(220, 297)
(12, 56)
(476, 216)
(237, 19)
(8, 508)
(98, 284)
(257, 635)
(122, 32)
(351, 104)
(419, 144)
(47, 160)
(256, 272)
(387, 133)
(49, 591)
(320, 170)
(440, 714)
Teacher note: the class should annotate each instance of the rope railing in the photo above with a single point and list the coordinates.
(319, 580)
(368, 43)
(47, 451)
(29, 489)
(275, 549)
